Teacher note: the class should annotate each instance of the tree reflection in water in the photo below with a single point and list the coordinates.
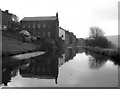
(41, 67)
(47, 66)
(97, 61)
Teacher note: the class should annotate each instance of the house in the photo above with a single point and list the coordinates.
(70, 39)
(62, 33)
(6, 20)
(42, 27)
(81, 42)
(67, 38)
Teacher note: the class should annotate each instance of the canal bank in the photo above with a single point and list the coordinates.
(113, 53)
(72, 68)
(12, 47)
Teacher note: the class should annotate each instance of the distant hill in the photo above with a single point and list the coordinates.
(114, 39)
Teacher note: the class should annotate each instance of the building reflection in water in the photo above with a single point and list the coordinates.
(40, 67)
(68, 55)
(47, 66)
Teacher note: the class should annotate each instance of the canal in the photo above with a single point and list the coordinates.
(73, 67)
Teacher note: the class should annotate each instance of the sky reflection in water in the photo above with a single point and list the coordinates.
(68, 69)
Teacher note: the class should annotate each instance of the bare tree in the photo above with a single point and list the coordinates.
(97, 38)
(96, 32)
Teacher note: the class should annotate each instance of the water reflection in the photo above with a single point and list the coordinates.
(68, 55)
(40, 67)
(96, 61)
(48, 66)
(9, 69)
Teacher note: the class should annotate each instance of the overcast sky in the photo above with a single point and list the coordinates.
(76, 16)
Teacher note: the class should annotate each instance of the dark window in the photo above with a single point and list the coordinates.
(38, 25)
(23, 25)
(8, 23)
(49, 34)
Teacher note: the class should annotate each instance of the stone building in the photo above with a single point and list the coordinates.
(81, 42)
(70, 39)
(6, 19)
(62, 33)
(42, 27)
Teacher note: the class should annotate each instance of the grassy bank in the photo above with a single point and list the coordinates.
(12, 46)
(113, 53)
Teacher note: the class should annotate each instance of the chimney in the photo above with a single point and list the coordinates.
(6, 11)
(57, 14)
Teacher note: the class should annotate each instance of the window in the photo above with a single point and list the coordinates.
(49, 34)
(33, 25)
(23, 25)
(28, 25)
(8, 23)
(43, 34)
(44, 26)
(38, 25)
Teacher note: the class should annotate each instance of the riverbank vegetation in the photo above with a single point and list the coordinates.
(99, 44)
(12, 44)
(97, 39)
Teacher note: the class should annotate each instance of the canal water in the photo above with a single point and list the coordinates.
(74, 67)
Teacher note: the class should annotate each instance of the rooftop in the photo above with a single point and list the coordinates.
(39, 18)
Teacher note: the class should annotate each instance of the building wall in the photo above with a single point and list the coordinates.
(42, 29)
(74, 40)
(6, 19)
(62, 60)
(81, 42)
(67, 38)
(62, 34)
(70, 39)
(0, 19)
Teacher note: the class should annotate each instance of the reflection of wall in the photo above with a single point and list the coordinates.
(6, 76)
(44, 67)
(62, 60)
(68, 55)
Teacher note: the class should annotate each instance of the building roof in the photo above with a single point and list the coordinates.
(7, 12)
(39, 18)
